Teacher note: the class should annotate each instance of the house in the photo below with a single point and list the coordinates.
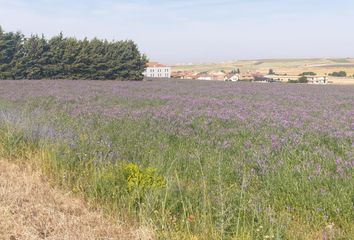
(217, 75)
(288, 78)
(232, 77)
(281, 78)
(317, 79)
(184, 75)
(157, 70)
(204, 76)
(190, 75)
(246, 76)
(179, 75)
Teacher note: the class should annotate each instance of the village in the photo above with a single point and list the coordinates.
(157, 70)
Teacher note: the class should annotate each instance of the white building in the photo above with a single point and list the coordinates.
(317, 79)
(232, 77)
(156, 70)
(204, 76)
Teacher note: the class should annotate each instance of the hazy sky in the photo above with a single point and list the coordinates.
(185, 31)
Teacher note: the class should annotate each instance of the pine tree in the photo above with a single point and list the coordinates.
(10, 46)
(55, 67)
(38, 58)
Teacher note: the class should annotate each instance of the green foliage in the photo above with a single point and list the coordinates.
(271, 72)
(142, 180)
(219, 180)
(234, 71)
(338, 74)
(308, 74)
(68, 58)
(10, 49)
(303, 79)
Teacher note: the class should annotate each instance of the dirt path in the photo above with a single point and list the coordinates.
(31, 209)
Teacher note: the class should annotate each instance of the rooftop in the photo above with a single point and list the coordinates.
(155, 64)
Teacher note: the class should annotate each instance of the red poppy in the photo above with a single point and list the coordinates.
(191, 218)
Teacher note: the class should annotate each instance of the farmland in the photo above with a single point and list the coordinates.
(192, 159)
(321, 66)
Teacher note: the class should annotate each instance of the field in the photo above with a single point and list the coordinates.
(282, 66)
(191, 159)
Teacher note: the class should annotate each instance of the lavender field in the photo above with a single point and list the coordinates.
(194, 159)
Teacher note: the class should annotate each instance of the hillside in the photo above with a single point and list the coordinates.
(281, 66)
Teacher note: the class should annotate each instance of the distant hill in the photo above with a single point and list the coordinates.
(282, 66)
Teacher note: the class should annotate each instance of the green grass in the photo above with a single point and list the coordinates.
(189, 186)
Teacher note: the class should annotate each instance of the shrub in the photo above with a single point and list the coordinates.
(303, 79)
(142, 180)
(308, 74)
(338, 74)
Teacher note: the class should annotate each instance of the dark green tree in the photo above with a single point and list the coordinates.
(271, 72)
(234, 71)
(10, 47)
(308, 74)
(59, 57)
(338, 74)
(303, 79)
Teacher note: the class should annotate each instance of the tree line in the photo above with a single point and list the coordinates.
(338, 74)
(62, 57)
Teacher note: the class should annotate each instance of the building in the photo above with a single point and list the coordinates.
(294, 78)
(232, 77)
(190, 75)
(281, 78)
(157, 70)
(247, 76)
(317, 79)
(217, 75)
(204, 76)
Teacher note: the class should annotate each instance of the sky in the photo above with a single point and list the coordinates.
(196, 31)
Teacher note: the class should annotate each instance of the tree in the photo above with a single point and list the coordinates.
(338, 74)
(59, 57)
(10, 47)
(271, 72)
(235, 71)
(303, 79)
(55, 67)
(308, 74)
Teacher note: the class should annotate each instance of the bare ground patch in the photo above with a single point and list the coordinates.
(31, 209)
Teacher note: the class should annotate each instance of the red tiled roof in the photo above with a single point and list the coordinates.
(155, 64)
